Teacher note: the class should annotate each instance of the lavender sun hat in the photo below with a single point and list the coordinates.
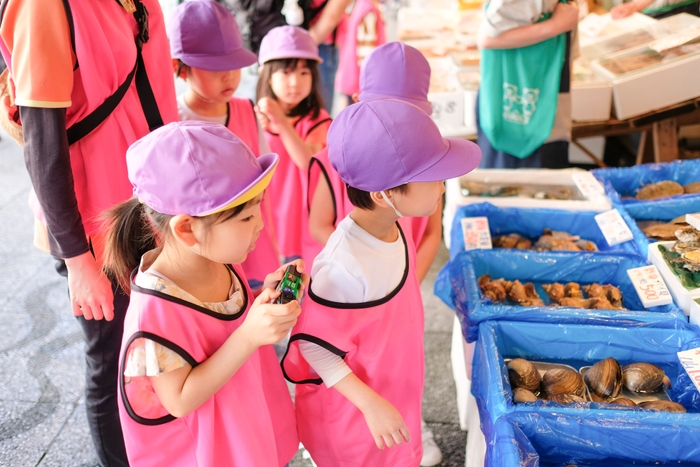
(196, 168)
(399, 71)
(288, 42)
(381, 144)
(204, 34)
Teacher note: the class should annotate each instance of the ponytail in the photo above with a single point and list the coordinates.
(130, 235)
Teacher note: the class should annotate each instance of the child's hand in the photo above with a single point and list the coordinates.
(565, 16)
(267, 323)
(271, 109)
(272, 279)
(386, 424)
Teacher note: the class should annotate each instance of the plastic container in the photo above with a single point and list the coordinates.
(547, 433)
(681, 296)
(457, 285)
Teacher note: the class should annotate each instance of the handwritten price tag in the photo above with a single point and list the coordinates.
(477, 235)
(690, 361)
(650, 287)
(588, 185)
(614, 227)
(693, 219)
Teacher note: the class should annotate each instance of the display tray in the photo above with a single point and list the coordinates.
(682, 295)
(457, 285)
(586, 432)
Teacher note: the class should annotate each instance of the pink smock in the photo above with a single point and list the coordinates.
(106, 53)
(264, 259)
(382, 343)
(347, 79)
(248, 422)
(286, 191)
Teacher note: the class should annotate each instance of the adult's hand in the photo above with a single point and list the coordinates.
(90, 291)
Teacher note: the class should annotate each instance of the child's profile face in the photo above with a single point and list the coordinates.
(229, 241)
(420, 199)
(213, 86)
(291, 86)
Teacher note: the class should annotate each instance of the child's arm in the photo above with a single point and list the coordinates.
(329, 19)
(383, 420)
(626, 9)
(184, 390)
(429, 245)
(301, 151)
(564, 19)
(321, 213)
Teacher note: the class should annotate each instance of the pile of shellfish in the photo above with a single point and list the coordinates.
(602, 382)
(598, 296)
(666, 188)
(551, 240)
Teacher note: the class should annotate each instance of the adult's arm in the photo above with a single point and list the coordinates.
(329, 19)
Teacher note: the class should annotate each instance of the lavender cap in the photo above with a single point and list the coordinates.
(288, 42)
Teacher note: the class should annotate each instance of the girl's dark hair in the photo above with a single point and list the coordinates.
(181, 66)
(133, 229)
(362, 199)
(313, 102)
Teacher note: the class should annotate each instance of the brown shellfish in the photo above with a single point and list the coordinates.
(523, 374)
(604, 379)
(662, 406)
(521, 395)
(660, 190)
(563, 381)
(644, 377)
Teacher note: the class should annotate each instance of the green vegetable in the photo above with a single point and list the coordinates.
(690, 280)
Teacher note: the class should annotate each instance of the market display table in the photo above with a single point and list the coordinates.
(659, 130)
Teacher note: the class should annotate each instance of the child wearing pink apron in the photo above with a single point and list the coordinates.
(199, 383)
(356, 353)
(207, 50)
(290, 109)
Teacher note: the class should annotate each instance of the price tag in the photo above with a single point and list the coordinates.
(693, 219)
(614, 227)
(650, 287)
(477, 235)
(690, 361)
(588, 185)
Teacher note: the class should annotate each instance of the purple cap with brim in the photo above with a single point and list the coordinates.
(397, 71)
(196, 168)
(288, 42)
(381, 144)
(204, 34)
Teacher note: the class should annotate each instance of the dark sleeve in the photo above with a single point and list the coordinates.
(47, 158)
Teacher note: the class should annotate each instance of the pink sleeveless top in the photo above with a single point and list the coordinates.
(106, 53)
(248, 422)
(347, 80)
(264, 259)
(286, 191)
(382, 342)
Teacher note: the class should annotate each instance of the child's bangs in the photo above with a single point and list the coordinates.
(290, 64)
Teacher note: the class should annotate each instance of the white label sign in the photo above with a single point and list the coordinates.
(690, 360)
(693, 219)
(650, 287)
(477, 235)
(588, 185)
(614, 227)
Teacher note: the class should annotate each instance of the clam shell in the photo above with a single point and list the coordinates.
(563, 381)
(662, 406)
(566, 398)
(604, 379)
(521, 395)
(623, 401)
(644, 377)
(523, 374)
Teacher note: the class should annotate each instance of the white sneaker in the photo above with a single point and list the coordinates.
(431, 452)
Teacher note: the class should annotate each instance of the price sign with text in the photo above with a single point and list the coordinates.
(614, 227)
(650, 287)
(690, 361)
(588, 185)
(477, 235)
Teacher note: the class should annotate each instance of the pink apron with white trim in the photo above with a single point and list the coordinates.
(285, 193)
(347, 79)
(382, 342)
(106, 53)
(248, 422)
(264, 259)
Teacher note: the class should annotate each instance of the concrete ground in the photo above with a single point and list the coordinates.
(42, 413)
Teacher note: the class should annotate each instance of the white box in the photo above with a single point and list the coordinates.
(448, 110)
(591, 101)
(695, 311)
(682, 296)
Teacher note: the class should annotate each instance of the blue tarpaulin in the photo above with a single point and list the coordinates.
(530, 222)
(595, 434)
(457, 285)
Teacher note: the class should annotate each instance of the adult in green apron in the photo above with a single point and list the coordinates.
(656, 8)
(523, 109)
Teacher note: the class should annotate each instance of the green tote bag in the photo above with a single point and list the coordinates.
(518, 94)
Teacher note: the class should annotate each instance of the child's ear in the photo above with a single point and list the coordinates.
(356, 98)
(180, 71)
(182, 229)
(379, 200)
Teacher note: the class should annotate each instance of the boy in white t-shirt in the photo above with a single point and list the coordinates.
(356, 353)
